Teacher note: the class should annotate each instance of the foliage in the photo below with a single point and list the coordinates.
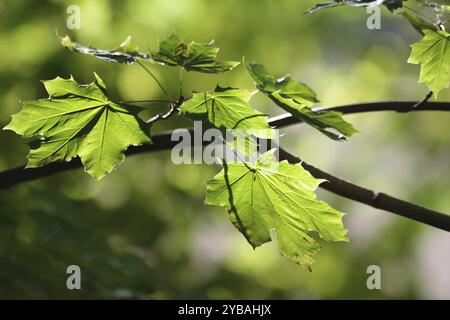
(80, 120)
(195, 56)
(270, 195)
(124, 53)
(433, 54)
(297, 98)
(390, 4)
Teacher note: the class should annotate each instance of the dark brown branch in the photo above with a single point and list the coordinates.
(396, 106)
(338, 186)
(374, 199)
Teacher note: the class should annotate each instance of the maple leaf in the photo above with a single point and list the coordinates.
(79, 120)
(195, 56)
(433, 54)
(228, 108)
(270, 195)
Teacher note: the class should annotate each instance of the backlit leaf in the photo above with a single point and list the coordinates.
(79, 120)
(228, 108)
(196, 56)
(297, 98)
(280, 196)
(433, 54)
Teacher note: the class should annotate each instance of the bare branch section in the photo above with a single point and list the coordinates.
(396, 106)
(372, 198)
(335, 185)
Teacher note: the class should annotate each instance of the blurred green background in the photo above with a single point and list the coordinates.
(143, 231)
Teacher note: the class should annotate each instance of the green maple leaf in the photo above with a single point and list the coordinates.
(124, 53)
(79, 120)
(285, 88)
(433, 54)
(297, 98)
(278, 196)
(417, 22)
(196, 56)
(228, 108)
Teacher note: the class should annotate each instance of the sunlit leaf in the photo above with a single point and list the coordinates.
(228, 108)
(196, 56)
(433, 54)
(390, 4)
(79, 120)
(286, 88)
(280, 196)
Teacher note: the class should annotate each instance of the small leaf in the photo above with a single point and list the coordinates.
(297, 98)
(278, 196)
(228, 108)
(196, 56)
(124, 53)
(433, 54)
(79, 120)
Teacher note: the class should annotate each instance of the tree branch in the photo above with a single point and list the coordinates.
(374, 199)
(336, 185)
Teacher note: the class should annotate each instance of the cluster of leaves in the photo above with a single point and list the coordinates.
(79, 120)
(432, 52)
(263, 196)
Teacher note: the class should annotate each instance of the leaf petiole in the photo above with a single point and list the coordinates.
(154, 78)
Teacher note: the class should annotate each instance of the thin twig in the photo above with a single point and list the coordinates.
(424, 101)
